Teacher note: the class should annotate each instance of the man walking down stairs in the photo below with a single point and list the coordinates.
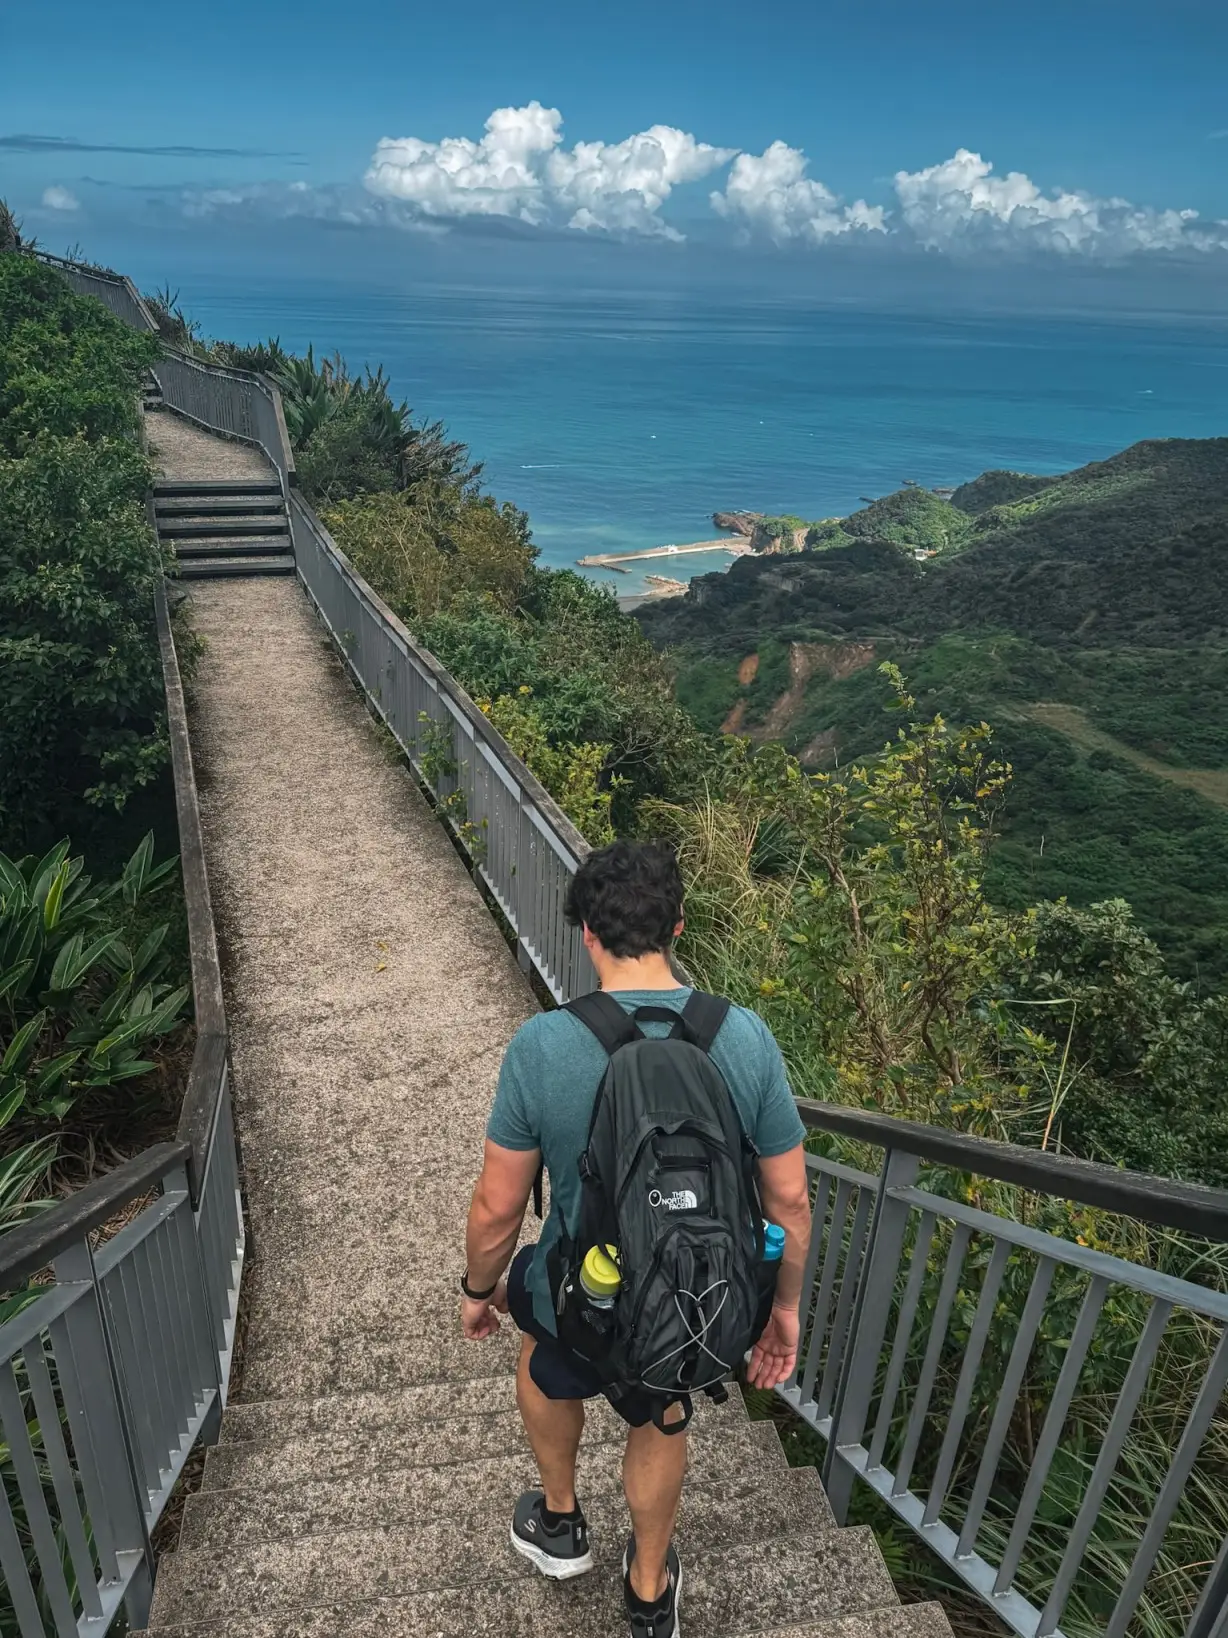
(658, 1051)
(370, 1457)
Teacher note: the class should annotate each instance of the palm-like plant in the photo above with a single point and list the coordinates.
(10, 230)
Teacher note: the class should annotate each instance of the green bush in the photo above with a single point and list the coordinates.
(80, 1001)
(67, 365)
(79, 664)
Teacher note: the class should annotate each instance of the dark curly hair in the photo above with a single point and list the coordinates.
(629, 895)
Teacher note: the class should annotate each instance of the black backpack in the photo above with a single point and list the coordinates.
(668, 1178)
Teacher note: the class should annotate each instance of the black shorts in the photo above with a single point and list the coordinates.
(557, 1371)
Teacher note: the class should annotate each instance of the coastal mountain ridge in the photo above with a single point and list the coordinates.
(1084, 616)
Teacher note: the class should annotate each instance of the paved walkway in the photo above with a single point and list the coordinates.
(181, 450)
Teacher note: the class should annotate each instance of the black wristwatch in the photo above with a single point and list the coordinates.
(476, 1296)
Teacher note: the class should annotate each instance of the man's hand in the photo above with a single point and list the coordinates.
(773, 1359)
(480, 1320)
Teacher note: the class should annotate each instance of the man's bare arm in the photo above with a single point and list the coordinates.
(785, 1192)
(497, 1211)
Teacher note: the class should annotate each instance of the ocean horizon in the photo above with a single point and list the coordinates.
(621, 420)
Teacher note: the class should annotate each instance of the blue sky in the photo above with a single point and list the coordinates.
(799, 118)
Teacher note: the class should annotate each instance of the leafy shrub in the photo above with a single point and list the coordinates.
(78, 1004)
(571, 773)
(424, 548)
(67, 365)
(79, 665)
(595, 680)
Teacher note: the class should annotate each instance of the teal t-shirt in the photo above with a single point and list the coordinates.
(550, 1076)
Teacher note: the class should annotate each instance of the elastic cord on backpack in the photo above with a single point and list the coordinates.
(694, 1338)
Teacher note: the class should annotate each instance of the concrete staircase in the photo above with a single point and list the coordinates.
(223, 527)
(385, 1515)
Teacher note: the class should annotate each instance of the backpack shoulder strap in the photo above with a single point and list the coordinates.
(703, 1016)
(609, 1022)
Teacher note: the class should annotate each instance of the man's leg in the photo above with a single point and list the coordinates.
(554, 1427)
(654, 1464)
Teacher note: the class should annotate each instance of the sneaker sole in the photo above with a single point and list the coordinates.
(677, 1632)
(558, 1569)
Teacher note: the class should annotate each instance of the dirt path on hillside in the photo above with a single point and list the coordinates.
(1211, 783)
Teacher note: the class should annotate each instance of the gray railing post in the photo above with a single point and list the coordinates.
(1210, 1619)
(98, 1419)
(868, 1328)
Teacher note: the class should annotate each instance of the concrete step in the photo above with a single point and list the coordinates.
(256, 544)
(258, 1466)
(231, 567)
(166, 487)
(353, 1416)
(402, 1496)
(904, 1621)
(215, 506)
(350, 1351)
(525, 1611)
(727, 1589)
(207, 528)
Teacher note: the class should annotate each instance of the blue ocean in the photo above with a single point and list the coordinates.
(622, 419)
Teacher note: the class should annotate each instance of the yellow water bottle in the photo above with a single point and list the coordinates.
(599, 1276)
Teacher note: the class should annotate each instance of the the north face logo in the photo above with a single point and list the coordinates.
(680, 1200)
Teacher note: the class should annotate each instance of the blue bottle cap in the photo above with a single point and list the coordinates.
(773, 1242)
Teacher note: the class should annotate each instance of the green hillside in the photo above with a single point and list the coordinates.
(912, 517)
(1085, 617)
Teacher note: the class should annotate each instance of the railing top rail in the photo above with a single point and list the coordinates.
(81, 267)
(26, 1249)
(205, 1077)
(104, 275)
(1189, 1207)
(555, 819)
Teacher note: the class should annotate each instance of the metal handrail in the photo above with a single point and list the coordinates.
(115, 291)
(906, 1296)
(1189, 1207)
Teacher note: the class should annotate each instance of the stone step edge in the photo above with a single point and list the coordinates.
(801, 1484)
(313, 1402)
(745, 1432)
(930, 1612)
(806, 1482)
(902, 1619)
(765, 1445)
(800, 1541)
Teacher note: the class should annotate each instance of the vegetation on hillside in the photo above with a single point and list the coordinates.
(994, 633)
(912, 517)
(79, 667)
(86, 978)
(998, 488)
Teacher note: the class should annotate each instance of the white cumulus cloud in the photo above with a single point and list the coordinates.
(960, 205)
(57, 198)
(520, 168)
(771, 193)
